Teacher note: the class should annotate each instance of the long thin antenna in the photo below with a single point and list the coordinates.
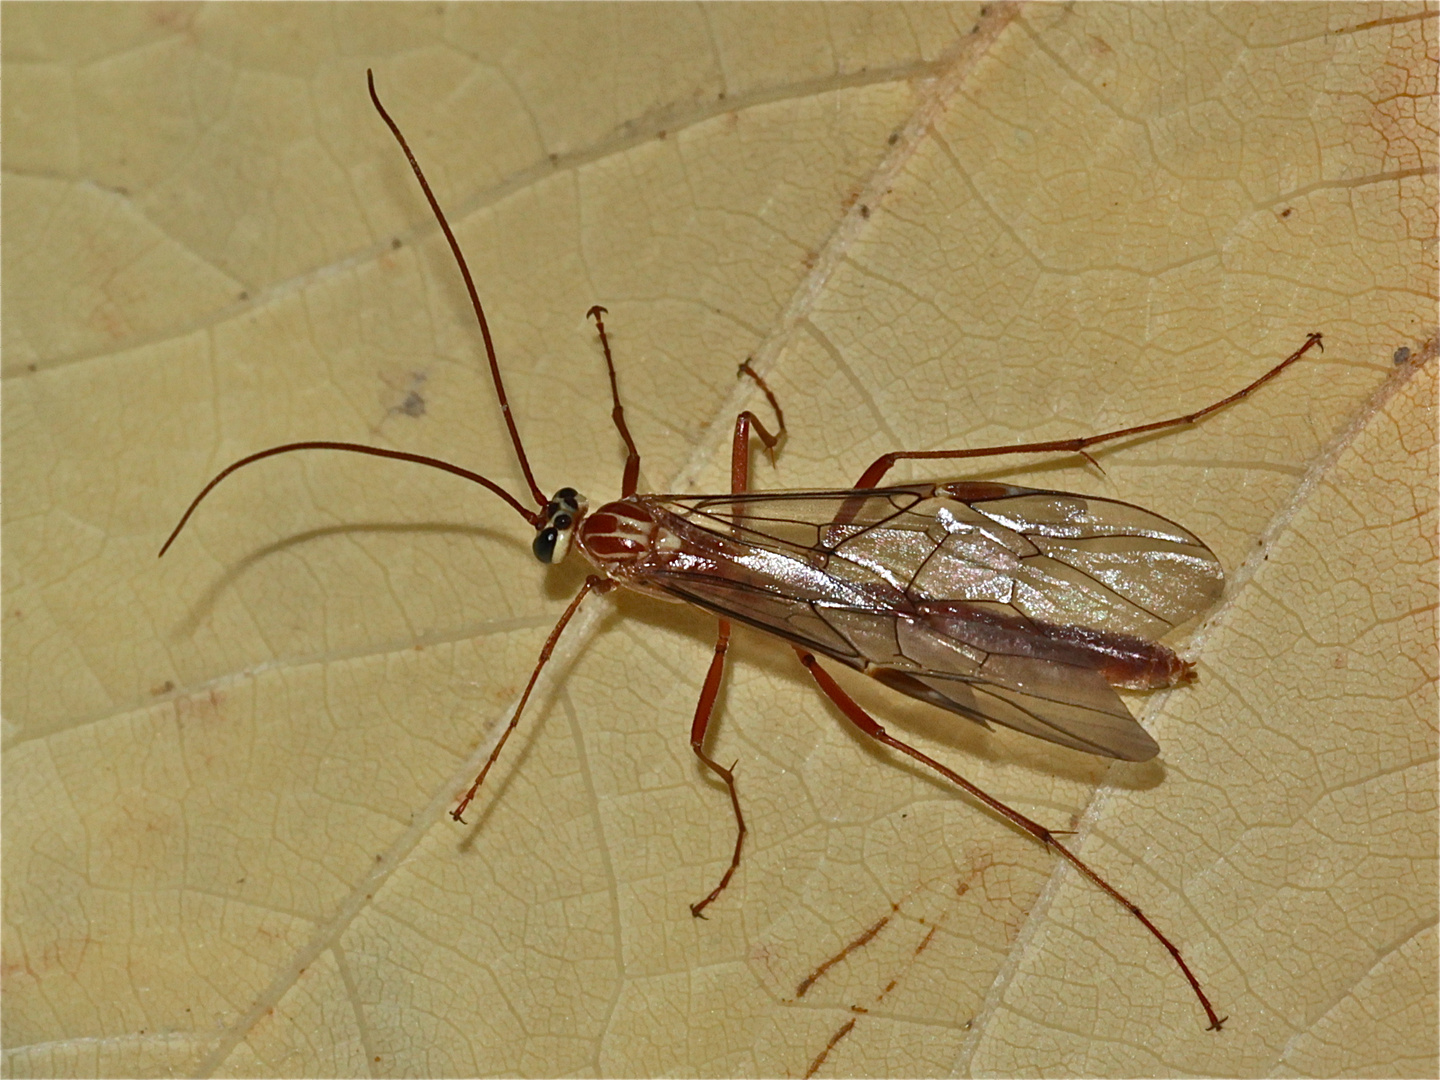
(540, 499)
(354, 448)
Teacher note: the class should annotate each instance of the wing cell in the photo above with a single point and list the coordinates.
(1003, 604)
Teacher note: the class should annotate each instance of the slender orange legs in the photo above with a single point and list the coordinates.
(868, 724)
(705, 707)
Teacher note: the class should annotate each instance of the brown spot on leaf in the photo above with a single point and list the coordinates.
(864, 938)
(845, 1029)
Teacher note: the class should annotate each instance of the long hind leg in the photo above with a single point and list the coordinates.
(871, 727)
(883, 464)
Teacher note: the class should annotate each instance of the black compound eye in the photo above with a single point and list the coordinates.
(566, 494)
(544, 544)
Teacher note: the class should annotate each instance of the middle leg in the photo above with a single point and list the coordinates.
(705, 707)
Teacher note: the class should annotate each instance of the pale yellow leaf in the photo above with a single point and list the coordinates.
(227, 773)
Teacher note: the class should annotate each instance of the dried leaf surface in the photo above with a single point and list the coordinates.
(227, 773)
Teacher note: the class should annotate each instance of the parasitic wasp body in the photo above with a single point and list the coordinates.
(1002, 604)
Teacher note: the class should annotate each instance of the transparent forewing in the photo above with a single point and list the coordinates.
(999, 603)
(1052, 556)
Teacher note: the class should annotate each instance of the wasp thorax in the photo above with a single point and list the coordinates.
(620, 534)
(552, 537)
